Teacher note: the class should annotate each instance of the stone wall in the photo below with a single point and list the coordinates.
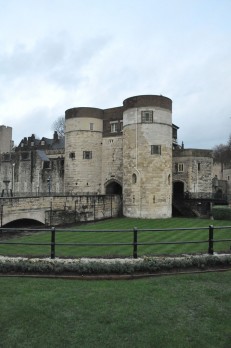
(112, 161)
(193, 167)
(60, 210)
(227, 177)
(112, 115)
(5, 139)
(147, 176)
(83, 155)
(25, 173)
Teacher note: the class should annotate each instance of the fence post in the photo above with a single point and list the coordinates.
(52, 242)
(211, 229)
(51, 212)
(135, 230)
(1, 213)
(111, 206)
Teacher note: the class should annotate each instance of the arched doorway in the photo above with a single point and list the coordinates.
(113, 188)
(219, 194)
(178, 190)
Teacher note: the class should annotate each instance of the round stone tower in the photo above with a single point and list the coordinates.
(147, 157)
(83, 150)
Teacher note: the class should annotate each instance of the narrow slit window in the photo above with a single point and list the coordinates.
(180, 167)
(134, 178)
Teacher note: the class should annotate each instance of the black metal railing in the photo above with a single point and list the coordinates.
(213, 196)
(134, 243)
(44, 194)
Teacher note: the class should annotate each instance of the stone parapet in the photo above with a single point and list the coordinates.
(148, 100)
(84, 112)
(55, 210)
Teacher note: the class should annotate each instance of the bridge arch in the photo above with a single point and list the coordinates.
(20, 223)
(38, 216)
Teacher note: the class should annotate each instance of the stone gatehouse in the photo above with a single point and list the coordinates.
(131, 149)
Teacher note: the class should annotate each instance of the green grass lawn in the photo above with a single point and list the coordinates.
(126, 237)
(173, 311)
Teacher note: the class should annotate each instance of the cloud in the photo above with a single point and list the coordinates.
(41, 77)
(49, 58)
(99, 53)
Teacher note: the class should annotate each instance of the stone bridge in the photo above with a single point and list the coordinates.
(57, 210)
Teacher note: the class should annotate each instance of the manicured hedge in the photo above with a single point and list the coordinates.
(221, 212)
(112, 266)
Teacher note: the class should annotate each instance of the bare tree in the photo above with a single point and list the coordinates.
(59, 126)
(222, 152)
(229, 143)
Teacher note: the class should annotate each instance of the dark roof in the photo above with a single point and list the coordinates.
(49, 144)
(60, 144)
(42, 155)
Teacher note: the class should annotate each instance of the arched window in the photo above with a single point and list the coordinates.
(134, 178)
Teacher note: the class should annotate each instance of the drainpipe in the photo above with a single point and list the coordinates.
(136, 167)
(13, 165)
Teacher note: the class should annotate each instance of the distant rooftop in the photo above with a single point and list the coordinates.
(31, 143)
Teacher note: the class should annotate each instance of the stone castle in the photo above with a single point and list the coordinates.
(130, 150)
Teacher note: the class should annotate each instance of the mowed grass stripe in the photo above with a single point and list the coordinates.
(171, 312)
(82, 236)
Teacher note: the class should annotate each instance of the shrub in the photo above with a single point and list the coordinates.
(127, 266)
(221, 212)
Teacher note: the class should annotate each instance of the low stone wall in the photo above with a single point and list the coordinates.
(60, 210)
(85, 209)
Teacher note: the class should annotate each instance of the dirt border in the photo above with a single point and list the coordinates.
(113, 276)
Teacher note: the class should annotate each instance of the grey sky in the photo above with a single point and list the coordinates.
(58, 54)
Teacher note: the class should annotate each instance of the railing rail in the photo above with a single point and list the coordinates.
(46, 194)
(134, 243)
(217, 196)
(186, 195)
